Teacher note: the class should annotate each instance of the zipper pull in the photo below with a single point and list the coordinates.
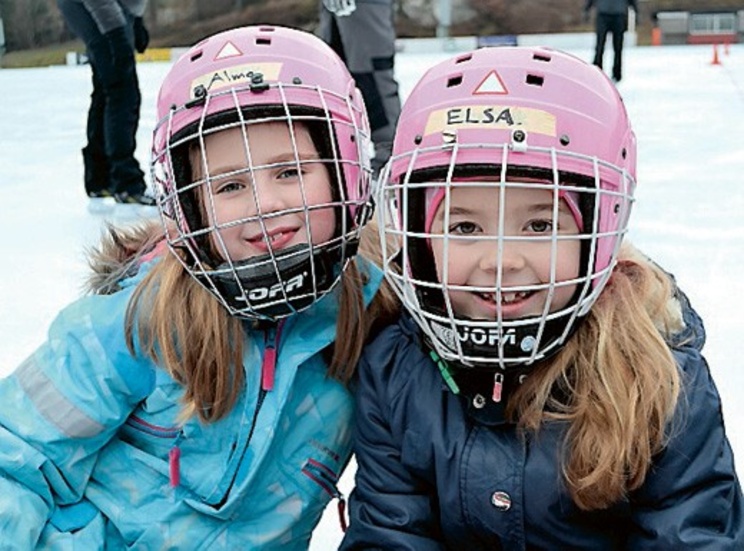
(268, 365)
(327, 479)
(174, 462)
(498, 383)
(342, 511)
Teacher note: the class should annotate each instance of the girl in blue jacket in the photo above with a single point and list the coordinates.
(547, 390)
(197, 401)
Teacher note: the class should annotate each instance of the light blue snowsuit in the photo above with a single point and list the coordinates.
(87, 433)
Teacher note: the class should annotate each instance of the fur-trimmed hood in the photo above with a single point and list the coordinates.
(119, 255)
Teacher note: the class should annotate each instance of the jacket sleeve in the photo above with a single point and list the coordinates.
(390, 508)
(57, 409)
(692, 498)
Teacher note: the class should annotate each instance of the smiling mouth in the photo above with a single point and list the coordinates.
(507, 299)
(275, 240)
(270, 238)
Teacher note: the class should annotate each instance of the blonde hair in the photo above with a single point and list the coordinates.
(615, 384)
(183, 328)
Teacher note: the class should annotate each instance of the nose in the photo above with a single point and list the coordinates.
(503, 252)
(266, 196)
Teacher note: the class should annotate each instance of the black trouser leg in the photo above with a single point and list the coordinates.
(113, 115)
(118, 79)
(618, 32)
(94, 153)
(602, 29)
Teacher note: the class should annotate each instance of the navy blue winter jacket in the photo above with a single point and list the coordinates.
(435, 472)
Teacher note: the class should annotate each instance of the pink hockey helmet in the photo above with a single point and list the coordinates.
(506, 118)
(234, 80)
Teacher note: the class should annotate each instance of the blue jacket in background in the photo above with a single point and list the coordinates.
(87, 433)
(436, 473)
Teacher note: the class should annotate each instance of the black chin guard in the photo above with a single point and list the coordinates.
(498, 345)
(266, 288)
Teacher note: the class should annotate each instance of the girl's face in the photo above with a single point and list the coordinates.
(474, 212)
(278, 183)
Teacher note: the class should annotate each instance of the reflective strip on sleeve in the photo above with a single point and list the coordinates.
(53, 405)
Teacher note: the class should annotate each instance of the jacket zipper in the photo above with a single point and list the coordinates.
(268, 368)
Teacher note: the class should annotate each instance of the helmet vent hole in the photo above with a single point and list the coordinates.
(262, 41)
(454, 81)
(541, 57)
(534, 80)
(197, 55)
(464, 58)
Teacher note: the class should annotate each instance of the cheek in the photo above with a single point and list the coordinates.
(225, 211)
(228, 239)
(323, 220)
(322, 225)
(458, 265)
(569, 257)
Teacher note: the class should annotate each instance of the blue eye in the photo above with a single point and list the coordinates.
(463, 228)
(291, 172)
(230, 187)
(540, 226)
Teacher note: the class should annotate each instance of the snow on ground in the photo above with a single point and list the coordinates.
(688, 115)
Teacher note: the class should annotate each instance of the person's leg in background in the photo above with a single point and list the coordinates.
(365, 40)
(95, 164)
(113, 115)
(618, 28)
(94, 153)
(601, 25)
(115, 68)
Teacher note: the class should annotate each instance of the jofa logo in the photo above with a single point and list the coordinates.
(260, 294)
(480, 336)
(477, 336)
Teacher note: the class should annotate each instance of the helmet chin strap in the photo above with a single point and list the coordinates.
(266, 288)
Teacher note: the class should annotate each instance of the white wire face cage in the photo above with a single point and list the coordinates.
(217, 181)
(452, 271)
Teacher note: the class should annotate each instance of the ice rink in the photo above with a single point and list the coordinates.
(688, 115)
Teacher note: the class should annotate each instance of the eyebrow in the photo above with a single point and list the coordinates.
(542, 207)
(454, 211)
(281, 159)
(539, 207)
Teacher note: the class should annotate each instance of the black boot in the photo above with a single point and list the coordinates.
(126, 198)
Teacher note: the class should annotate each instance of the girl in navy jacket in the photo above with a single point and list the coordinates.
(547, 388)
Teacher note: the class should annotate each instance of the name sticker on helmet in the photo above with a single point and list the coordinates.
(491, 116)
(236, 74)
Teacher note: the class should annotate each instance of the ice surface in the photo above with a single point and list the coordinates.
(687, 113)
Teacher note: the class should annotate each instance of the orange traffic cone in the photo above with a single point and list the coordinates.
(656, 36)
(715, 61)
